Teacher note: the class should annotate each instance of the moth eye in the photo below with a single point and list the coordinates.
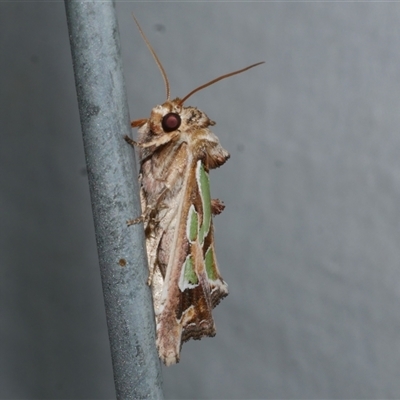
(171, 122)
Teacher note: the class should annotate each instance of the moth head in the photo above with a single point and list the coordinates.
(166, 117)
(172, 119)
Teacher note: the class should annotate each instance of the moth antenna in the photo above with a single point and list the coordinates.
(218, 79)
(163, 73)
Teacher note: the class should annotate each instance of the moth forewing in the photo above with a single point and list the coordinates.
(186, 300)
(177, 150)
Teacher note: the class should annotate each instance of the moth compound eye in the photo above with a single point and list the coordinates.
(171, 122)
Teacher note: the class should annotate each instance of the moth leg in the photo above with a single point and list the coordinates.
(130, 141)
(158, 204)
(145, 217)
(152, 259)
(217, 206)
(159, 141)
(152, 271)
(153, 238)
(143, 206)
(135, 221)
(150, 208)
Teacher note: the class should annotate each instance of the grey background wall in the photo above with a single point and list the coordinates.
(309, 241)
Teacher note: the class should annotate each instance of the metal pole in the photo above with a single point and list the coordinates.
(95, 46)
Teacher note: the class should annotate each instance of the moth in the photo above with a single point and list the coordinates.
(177, 150)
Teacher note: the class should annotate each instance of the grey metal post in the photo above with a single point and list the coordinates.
(94, 39)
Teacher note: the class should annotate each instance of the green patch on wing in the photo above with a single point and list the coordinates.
(209, 261)
(192, 224)
(204, 187)
(189, 275)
